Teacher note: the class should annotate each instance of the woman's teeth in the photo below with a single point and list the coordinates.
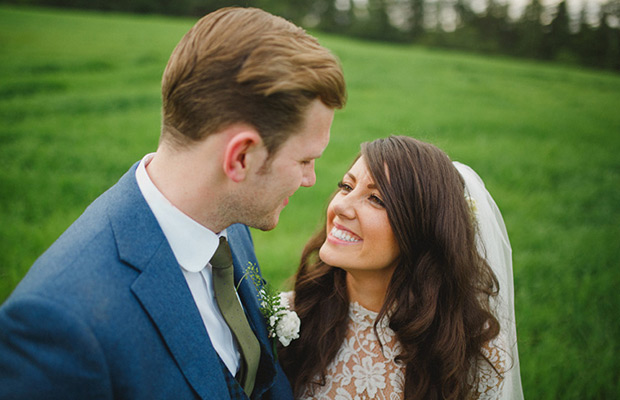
(343, 235)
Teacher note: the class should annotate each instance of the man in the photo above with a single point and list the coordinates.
(129, 302)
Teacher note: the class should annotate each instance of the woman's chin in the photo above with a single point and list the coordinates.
(325, 254)
(328, 255)
(322, 252)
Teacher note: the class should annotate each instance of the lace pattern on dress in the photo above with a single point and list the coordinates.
(363, 369)
(490, 383)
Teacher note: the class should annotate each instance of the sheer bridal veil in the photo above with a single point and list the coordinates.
(493, 243)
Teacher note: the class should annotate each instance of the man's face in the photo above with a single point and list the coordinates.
(291, 167)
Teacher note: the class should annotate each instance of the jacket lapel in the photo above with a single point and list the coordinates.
(167, 299)
(162, 290)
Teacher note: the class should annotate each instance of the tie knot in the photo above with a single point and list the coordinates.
(222, 258)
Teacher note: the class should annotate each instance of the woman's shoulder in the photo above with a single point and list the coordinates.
(290, 297)
(491, 369)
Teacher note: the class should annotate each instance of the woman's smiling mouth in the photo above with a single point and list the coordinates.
(344, 235)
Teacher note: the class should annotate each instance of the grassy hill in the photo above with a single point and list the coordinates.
(79, 103)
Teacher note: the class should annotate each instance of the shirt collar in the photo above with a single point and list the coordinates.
(193, 245)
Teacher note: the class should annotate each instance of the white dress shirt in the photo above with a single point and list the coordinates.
(193, 246)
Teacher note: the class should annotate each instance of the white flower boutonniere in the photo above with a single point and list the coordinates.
(282, 322)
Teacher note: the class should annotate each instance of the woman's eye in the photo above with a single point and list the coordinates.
(344, 187)
(376, 200)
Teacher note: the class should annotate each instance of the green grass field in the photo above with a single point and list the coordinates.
(79, 103)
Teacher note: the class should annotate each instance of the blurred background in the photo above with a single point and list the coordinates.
(583, 32)
(527, 94)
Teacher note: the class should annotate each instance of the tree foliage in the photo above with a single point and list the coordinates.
(590, 36)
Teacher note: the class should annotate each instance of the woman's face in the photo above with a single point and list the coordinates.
(359, 235)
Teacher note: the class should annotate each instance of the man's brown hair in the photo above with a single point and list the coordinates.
(246, 65)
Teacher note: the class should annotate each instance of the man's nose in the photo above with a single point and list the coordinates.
(309, 178)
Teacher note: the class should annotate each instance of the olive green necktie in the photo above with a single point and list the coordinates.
(227, 300)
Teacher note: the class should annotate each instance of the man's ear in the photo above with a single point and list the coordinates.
(243, 149)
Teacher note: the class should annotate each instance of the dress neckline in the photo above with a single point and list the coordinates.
(365, 317)
(362, 311)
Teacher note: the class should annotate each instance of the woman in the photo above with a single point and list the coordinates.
(395, 299)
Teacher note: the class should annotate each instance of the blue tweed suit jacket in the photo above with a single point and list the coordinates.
(105, 313)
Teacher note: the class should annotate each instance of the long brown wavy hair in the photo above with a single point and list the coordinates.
(437, 301)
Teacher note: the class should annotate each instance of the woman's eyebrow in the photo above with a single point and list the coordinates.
(371, 185)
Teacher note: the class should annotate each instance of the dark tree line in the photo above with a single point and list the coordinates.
(589, 37)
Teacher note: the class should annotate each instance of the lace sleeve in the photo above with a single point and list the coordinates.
(490, 371)
(290, 296)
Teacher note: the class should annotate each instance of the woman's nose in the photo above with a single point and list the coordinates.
(344, 206)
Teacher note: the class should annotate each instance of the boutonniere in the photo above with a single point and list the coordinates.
(282, 322)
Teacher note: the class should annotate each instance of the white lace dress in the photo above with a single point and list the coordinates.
(363, 369)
